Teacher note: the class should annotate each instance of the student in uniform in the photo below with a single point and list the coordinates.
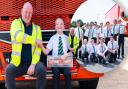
(107, 32)
(112, 49)
(94, 32)
(92, 50)
(121, 39)
(114, 29)
(102, 51)
(73, 41)
(84, 51)
(59, 46)
(78, 32)
(87, 32)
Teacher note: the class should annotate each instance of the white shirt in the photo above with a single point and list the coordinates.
(87, 32)
(114, 29)
(115, 45)
(83, 48)
(76, 32)
(54, 42)
(91, 49)
(107, 32)
(121, 29)
(93, 32)
(101, 49)
(100, 32)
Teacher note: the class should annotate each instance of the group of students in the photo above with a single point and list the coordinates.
(98, 43)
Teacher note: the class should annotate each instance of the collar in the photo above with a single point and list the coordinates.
(60, 35)
(25, 23)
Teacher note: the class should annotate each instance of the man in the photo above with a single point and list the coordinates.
(59, 46)
(114, 29)
(25, 53)
(112, 49)
(73, 41)
(121, 39)
(78, 32)
(107, 32)
(101, 51)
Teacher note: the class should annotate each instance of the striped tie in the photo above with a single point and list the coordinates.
(60, 47)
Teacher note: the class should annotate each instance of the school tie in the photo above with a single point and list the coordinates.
(114, 29)
(79, 31)
(112, 46)
(85, 49)
(60, 47)
(92, 33)
(107, 31)
(102, 48)
(89, 32)
(119, 29)
(94, 49)
(101, 30)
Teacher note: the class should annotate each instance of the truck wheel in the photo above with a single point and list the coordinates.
(88, 84)
(2, 86)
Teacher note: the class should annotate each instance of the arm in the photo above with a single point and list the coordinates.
(18, 35)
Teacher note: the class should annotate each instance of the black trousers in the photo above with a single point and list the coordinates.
(115, 36)
(106, 40)
(93, 57)
(56, 77)
(112, 56)
(121, 44)
(13, 72)
(84, 55)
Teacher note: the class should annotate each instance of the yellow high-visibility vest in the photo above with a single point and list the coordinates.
(18, 37)
(75, 43)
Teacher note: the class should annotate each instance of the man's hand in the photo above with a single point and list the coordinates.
(39, 43)
(71, 49)
(31, 69)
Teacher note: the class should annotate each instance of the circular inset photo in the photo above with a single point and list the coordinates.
(98, 33)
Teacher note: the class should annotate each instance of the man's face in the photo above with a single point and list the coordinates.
(115, 22)
(59, 25)
(27, 14)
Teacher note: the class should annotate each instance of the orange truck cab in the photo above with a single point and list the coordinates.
(45, 13)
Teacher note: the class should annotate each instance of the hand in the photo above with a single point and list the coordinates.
(71, 49)
(31, 69)
(39, 43)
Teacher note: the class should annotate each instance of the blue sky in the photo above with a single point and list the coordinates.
(93, 10)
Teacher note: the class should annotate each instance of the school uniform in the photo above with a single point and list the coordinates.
(101, 49)
(112, 46)
(107, 34)
(100, 32)
(78, 33)
(94, 34)
(121, 32)
(114, 31)
(87, 33)
(92, 50)
(59, 45)
(84, 52)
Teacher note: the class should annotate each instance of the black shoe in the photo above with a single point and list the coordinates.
(104, 62)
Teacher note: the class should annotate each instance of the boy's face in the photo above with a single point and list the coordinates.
(59, 25)
(85, 41)
(111, 39)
